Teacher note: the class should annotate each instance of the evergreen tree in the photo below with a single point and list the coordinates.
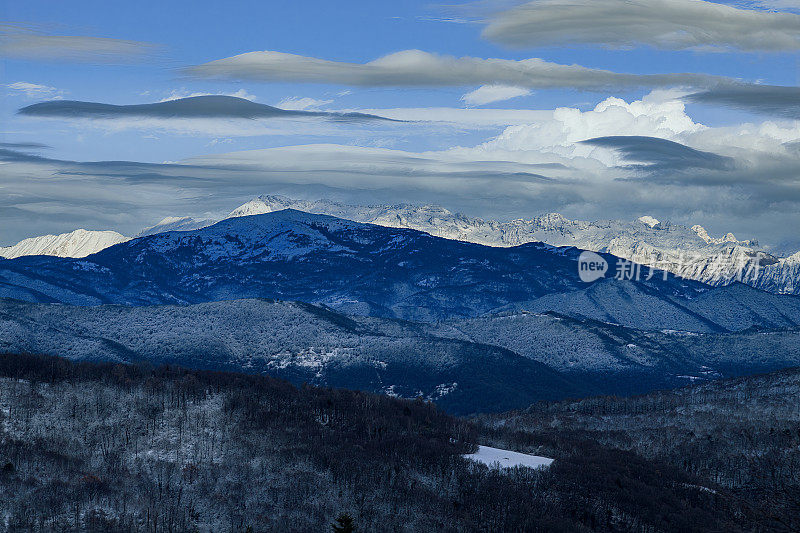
(343, 524)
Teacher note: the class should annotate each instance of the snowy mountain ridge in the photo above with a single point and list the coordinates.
(176, 224)
(78, 243)
(357, 268)
(441, 222)
(687, 252)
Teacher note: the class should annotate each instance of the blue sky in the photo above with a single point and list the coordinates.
(176, 35)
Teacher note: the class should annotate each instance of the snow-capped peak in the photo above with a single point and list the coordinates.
(78, 243)
(728, 238)
(793, 259)
(262, 205)
(552, 221)
(176, 224)
(702, 233)
(647, 220)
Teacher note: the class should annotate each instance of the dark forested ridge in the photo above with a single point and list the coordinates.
(742, 436)
(487, 364)
(103, 446)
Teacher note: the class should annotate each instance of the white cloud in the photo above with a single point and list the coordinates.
(21, 42)
(415, 68)
(34, 90)
(296, 103)
(486, 94)
(766, 152)
(177, 94)
(217, 127)
(459, 117)
(659, 114)
(667, 24)
(216, 142)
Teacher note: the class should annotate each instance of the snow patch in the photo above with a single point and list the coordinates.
(498, 458)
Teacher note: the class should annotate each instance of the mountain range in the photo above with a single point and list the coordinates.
(687, 252)
(355, 268)
(318, 299)
(371, 270)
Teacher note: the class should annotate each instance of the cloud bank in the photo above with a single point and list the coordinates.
(652, 154)
(415, 68)
(487, 94)
(659, 114)
(20, 42)
(214, 106)
(665, 24)
(765, 99)
(642, 157)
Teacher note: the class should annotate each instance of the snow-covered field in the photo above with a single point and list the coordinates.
(493, 457)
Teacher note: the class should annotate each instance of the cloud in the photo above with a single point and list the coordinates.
(462, 117)
(741, 178)
(658, 114)
(778, 4)
(652, 154)
(766, 99)
(179, 94)
(24, 146)
(21, 42)
(486, 94)
(34, 90)
(54, 195)
(665, 24)
(415, 68)
(301, 104)
(194, 107)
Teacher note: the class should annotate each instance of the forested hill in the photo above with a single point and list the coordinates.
(740, 435)
(112, 447)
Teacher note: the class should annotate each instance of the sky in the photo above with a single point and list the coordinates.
(684, 110)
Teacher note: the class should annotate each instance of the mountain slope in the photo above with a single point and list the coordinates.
(295, 341)
(123, 448)
(620, 360)
(480, 364)
(175, 224)
(735, 307)
(739, 435)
